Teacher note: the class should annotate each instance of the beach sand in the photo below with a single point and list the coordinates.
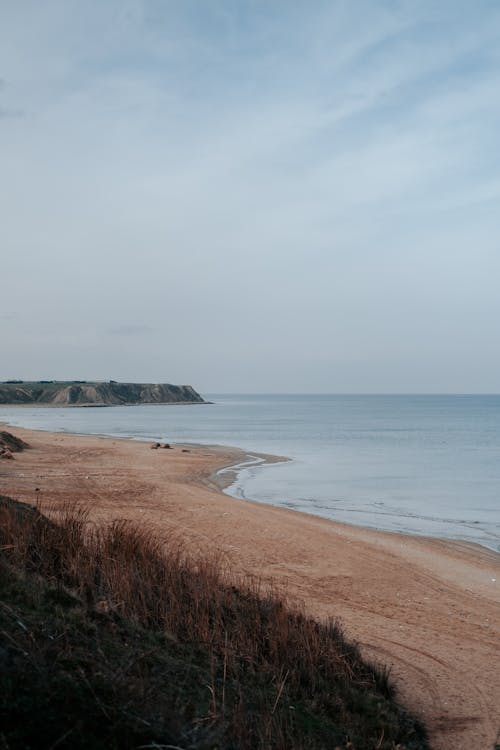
(428, 609)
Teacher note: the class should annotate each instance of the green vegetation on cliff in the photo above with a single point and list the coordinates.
(85, 393)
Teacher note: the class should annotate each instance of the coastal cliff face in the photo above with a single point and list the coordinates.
(100, 394)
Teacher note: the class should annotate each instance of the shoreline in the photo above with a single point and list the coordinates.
(224, 476)
(231, 475)
(427, 608)
(39, 405)
(362, 493)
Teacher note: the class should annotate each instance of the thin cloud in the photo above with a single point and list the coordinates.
(8, 113)
(131, 329)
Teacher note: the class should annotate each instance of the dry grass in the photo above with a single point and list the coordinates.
(273, 677)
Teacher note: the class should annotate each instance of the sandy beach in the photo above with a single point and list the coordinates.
(428, 609)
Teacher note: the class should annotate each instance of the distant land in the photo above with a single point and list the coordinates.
(87, 393)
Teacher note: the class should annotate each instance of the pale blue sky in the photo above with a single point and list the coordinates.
(251, 196)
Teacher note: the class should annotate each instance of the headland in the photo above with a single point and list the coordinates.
(98, 393)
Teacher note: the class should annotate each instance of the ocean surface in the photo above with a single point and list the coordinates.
(416, 464)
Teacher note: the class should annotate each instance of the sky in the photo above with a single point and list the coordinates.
(251, 195)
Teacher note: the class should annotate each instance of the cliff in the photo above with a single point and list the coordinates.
(83, 393)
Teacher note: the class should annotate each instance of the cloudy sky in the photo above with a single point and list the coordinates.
(249, 195)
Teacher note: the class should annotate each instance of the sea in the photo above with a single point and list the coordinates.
(417, 464)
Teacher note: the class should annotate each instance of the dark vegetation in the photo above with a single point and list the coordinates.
(10, 444)
(111, 638)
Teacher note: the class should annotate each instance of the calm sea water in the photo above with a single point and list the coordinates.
(417, 464)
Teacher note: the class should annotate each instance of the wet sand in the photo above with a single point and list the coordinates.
(429, 609)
